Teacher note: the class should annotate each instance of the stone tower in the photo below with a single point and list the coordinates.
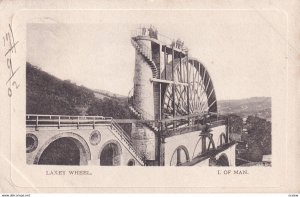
(142, 104)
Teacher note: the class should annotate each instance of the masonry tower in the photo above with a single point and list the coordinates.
(142, 103)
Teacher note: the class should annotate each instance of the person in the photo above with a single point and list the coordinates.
(182, 44)
(177, 43)
(173, 43)
(151, 31)
(185, 49)
(144, 31)
(155, 33)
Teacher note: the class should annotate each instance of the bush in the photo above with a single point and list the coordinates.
(109, 107)
(255, 152)
(259, 131)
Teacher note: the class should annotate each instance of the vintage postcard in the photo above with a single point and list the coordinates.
(149, 99)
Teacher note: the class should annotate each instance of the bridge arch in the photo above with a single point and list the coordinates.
(179, 156)
(223, 160)
(204, 144)
(198, 147)
(74, 140)
(110, 153)
(131, 162)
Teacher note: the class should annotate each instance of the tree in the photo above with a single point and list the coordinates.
(255, 152)
(235, 124)
(109, 107)
(259, 130)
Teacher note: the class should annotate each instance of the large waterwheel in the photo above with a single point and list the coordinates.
(193, 91)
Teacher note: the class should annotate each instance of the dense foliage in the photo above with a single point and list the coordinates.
(256, 136)
(46, 94)
(109, 107)
(259, 134)
(235, 124)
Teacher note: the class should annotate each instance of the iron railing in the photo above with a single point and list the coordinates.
(144, 115)
(58, 121)
(126, 138)
(165, 40)
(158, 36)
(143, 49)
(147, 53)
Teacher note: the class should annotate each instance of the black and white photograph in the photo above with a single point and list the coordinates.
(149, 94)
(149, 97)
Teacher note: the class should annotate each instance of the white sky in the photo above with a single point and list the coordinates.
(238, 53)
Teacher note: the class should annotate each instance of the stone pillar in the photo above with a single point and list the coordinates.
(142, 137)
(144, 140)
(162, 152)
(232, 155)
(94, 162)
(143, 87)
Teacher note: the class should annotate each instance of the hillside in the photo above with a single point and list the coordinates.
(47, 94)
(104, 94)
(255, 106)
(108, 94)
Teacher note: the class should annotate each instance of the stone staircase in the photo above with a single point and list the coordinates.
(135, 112)
(146, 52)
(152, 127)
(139, 115)
(126, 141)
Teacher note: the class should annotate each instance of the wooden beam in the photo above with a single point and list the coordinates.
(210, 93)
(212, 103)
(165, 62)
(188, 89)
(207, 84)
(173, 88)
(168, 82)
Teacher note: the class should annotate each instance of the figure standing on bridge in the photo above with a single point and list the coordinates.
(151, 32)
(181, 45)
(144, 31)
(178, 43)
(155, 33)
(173, 43)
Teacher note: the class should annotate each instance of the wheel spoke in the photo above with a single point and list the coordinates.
(199, 93)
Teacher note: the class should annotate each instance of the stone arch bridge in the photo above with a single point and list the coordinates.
(95, 140)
